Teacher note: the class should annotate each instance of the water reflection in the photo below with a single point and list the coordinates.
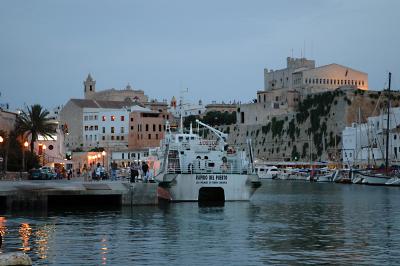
(25, 231)
(104, 251)
(285, 223)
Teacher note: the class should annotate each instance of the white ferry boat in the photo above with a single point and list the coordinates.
(195, 169)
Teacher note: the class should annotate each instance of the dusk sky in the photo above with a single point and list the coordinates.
(217, 49)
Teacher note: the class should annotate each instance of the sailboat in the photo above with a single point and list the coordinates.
(372, 178)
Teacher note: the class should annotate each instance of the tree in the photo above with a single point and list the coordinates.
(35, 121)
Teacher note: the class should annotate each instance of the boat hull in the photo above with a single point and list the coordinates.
(198, 187)
(372, 180)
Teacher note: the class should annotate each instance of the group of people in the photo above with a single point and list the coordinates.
(136, 168)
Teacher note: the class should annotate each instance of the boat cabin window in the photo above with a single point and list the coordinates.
(192, 138)
(205, 157)
(262, 170)
(211, 164)
(182, 152)
(180, 139)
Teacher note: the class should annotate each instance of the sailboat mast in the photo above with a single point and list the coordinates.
(387, 126)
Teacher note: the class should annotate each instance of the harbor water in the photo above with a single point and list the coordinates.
(284, 223)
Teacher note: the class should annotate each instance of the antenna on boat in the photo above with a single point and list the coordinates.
(221, 135)
(181, 125)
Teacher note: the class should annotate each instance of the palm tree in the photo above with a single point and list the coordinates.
(35, 122)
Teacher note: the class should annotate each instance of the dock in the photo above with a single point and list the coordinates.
(41, 194)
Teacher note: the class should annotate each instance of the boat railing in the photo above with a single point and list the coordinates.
(174, 168)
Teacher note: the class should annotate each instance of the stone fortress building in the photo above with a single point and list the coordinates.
(127, 94)
(284, 88)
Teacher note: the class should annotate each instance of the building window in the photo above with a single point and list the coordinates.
(147, 127)
(362, 82)
(85, 118)
(91, 128)
(156, 136)
(86, 128)
(95, 137)
(112, 137)
(104, 130)
(149, 136)
(154, 127)
(103, 118)
(131, 127)
(122, 130)
(95, 117)
(112, 130)
(131, 119)
(123, 155)
(159, 128)
(96, 127)
(113, 118)
(117, 137)
(122, 118)
(103, 138)
(122, 137)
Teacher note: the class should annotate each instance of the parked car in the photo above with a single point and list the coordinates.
(35, 174)
(48, 173)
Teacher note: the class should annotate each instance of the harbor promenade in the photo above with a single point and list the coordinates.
(26, 194)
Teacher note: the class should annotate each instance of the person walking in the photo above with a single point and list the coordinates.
(134, 172)
(145, 170)
(114, 171)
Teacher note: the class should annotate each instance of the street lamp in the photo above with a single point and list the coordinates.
(25, 146)
(104, 154)
(1, 154)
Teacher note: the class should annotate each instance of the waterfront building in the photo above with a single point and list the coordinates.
(364, 143)
(146, 129)
(89, 124)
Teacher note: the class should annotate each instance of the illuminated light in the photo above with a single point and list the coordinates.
(104, 153)
(26, 144)
(98, 156)
(44, 147)
(1, 139)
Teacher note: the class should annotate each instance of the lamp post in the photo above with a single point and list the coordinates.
(1, 154)
(44, 153)
(24, 147)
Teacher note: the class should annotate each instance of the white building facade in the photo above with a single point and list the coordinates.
(105, 128)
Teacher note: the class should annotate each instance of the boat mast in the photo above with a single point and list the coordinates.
(387, 126)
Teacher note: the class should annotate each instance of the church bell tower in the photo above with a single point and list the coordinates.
(89, 87)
